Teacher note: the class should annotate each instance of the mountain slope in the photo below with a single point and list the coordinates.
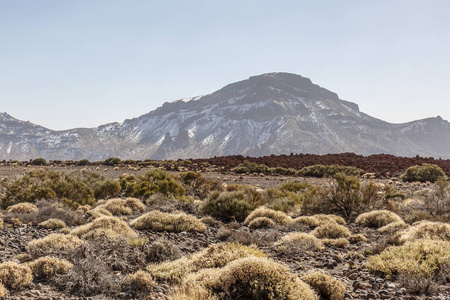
(273, 113)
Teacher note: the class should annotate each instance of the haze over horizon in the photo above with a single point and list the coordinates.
(86, 63)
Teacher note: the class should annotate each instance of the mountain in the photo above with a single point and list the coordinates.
(274, 113)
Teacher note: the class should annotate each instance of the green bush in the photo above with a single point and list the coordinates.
(251, 167)
(103, 188)
(38, 162)
(423, 173)
(227, 205)
(112, 161)
(331, 170)
(153, 182)
(46, 184)
(199, 186)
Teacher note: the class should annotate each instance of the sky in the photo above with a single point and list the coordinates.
(84, 63)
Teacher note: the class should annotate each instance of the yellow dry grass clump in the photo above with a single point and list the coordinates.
(53, 224)
(427, 230)
(261, 222)
(417, 258)
(339, 242)
(98, 212)
(327, 286)
(140, 282)
(119, 206)
(356, 238)
(278, 217)
(22, 208)
(377, 218)
(323, 219)
(215, 256)
(252, 277)
(53, 243)
(393, 227)
(176, 222)
(1, 223)
(191, 292)
(310, 221)
(298, 241)
(15, 276)
(3, 291)
(331, 230)
(112, 227)
(45, 267)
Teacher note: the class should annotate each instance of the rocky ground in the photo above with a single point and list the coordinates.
(346, 264)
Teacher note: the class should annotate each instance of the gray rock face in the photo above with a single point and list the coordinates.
(274, 113)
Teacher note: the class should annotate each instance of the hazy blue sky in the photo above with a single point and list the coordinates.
(83, 63)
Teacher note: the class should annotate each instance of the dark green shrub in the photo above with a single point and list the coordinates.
(103, 188)
(83, 162)
(423, 173)
(227, 205)
(295, 187)
(46, 184)
(199, 186)
(112, 161)
(331, 170)
(155, 181)
(251, 167)
(38, 162)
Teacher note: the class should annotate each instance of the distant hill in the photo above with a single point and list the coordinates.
(274, 113)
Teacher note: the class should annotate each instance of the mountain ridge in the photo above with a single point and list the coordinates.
(272, 113)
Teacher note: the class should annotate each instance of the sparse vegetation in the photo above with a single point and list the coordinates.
(52, 224)
(53, 245)
(330, 170)
(277, 217)
(46, 267)
(112, 227)
(298, 242)
(331, 230)
(22, 208)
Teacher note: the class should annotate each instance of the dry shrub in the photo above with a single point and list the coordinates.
(110, 226)
(190, 292)
(310, 221)
(176, 222)
(298, 242)
(356, 238)
(1, 223)
(331, 230)
(323, 219)
(14, 276)
(417, 258)
(427, 230)
(53, 245)
(82, 209)
(52, 224)
(254, 278)
(393, 227)
(278, 217)
(243, 237)
(22, 208)
(327, 286)
(261, 222)
(3, 291)
(45, 267)
(139, 283)
(215, 256)
(377, 218)
(162, 250)
(418, 285)
(339, 243)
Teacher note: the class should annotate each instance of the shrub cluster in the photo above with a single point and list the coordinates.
(215, 256)
(22, 208)
(119, 206)
(298, 242)
(46, 267)
(277, 217)
(198, 186)
(331, 230)
(111, 227)
(54, 244)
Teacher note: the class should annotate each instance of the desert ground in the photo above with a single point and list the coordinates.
(106, 262)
